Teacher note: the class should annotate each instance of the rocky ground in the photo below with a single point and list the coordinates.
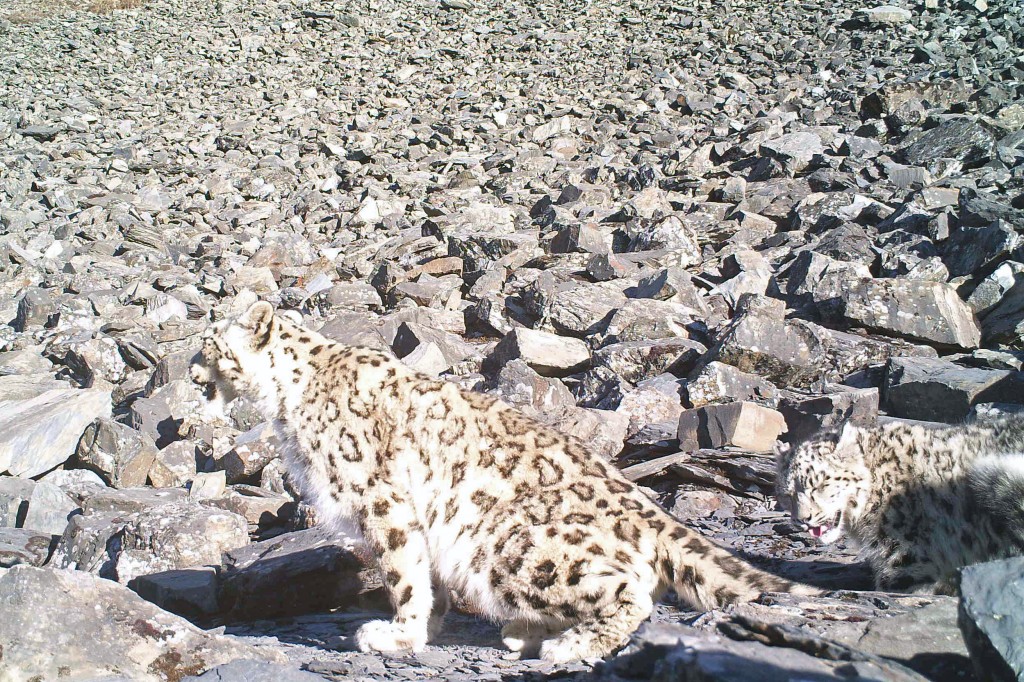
(679, 232)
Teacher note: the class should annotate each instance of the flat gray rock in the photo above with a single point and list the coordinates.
(24, 546)
(246, 670)
(40, 428)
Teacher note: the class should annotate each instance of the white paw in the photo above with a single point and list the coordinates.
(561, 651)
(387, 636)
(524, 638)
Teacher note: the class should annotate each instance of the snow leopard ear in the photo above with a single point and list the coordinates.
(847, 435)
(258, 320)
(293, 316)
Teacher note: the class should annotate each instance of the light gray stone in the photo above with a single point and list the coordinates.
(49, 509)
(24, 546)
(246, 670)
(930, 312)
(717, 382)
(546, 353)
(121, 455)
(745, 425)
(39, 429)
(639, 319)
(251, 451)
(175, 536)
(103, 629)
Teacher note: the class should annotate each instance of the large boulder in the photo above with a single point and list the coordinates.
(72, 625)
(934, 389)
(918, 310)
(41, 421)
(159, 538)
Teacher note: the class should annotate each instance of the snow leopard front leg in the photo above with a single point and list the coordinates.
(903, 571)
(391, 529)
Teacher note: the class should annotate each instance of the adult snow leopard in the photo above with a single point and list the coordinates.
(456, 490)
(921, 501)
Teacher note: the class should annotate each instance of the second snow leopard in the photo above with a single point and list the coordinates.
(922, 502)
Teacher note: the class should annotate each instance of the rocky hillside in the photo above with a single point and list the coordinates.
(678, 231)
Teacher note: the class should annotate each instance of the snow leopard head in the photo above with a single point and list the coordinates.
(821, 481)
(234, 354)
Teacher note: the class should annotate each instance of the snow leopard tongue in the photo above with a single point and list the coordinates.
(818, 531)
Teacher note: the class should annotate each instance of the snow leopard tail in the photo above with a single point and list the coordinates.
(997, 486)
(707, 576)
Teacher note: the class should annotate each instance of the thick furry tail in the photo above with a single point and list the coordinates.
(997, 486)
(707, 576)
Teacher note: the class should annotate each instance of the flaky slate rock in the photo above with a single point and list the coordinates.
(933, 389)
(102, 629)
(962, 139)
(668, 652)
(304, 571)
(990, 617)
(121, 455)
(546, 353)
(915, 631)
(929, 312)
(40, 427)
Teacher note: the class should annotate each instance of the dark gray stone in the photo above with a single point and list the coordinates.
(976, 250)
(305, 571)
(959, 138)
(991, 618)
(931, 389)
(666, 653)
(806, 416)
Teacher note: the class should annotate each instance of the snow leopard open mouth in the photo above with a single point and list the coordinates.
(827, 532)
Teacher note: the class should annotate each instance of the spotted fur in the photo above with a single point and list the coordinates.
(922, 502)
(455, 490)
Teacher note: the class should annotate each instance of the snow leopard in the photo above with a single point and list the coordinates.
(921, 501)
(456, 491)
